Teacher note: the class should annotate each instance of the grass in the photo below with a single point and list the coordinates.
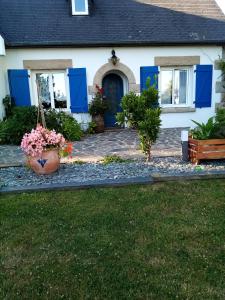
(109, 159)
(165, 241)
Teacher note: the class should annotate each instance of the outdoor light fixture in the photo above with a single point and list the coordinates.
(184, 143)
(114, 59)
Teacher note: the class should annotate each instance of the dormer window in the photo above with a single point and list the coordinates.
(80, 7)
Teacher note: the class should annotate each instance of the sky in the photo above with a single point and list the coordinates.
(221, 4)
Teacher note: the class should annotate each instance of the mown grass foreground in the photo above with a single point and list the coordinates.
(165, 241)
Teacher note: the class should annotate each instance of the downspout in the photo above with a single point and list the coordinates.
(2, 46)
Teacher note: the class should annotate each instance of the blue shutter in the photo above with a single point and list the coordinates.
(78, 90)
(203, 97)
(19, 87)
(151, 72)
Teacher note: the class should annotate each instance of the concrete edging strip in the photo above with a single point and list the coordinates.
(79, 185)
(157, 177)
(154, 178)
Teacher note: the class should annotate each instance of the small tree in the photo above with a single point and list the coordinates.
(143, 113)
(148, 130)
(132, 108)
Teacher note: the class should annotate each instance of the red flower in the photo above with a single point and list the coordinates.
(100, 90)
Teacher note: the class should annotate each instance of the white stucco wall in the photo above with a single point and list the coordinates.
(134, 57)
(3, 84)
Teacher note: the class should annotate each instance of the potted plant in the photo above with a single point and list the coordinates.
(207, 140)
(97, 108)
(43, 148)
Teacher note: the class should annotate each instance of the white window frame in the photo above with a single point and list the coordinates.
(75, 13)
(35, 92)
(190, 85)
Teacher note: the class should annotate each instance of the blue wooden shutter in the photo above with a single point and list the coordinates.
(151, 72)
(19, 87)
(78, 90)
(203, 97)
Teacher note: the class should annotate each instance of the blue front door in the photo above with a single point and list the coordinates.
(113, 91)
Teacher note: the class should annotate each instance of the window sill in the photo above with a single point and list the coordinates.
(168, 110)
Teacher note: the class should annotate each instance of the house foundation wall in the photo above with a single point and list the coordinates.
(93, 59)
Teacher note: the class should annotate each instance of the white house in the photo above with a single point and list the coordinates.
(58, 51)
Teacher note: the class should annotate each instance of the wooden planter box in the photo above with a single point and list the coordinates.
(206, 149)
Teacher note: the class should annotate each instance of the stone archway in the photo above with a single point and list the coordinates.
(119, 67)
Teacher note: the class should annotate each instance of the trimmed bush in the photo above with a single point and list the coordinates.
(24, 119)
(143, 113)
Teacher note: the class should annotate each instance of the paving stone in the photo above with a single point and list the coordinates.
(93, 148)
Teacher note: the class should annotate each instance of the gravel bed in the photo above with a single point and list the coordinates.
(76, 173)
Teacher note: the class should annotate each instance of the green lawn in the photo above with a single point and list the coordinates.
(165, 241)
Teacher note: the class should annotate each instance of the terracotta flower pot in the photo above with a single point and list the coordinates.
(47, 163)
(100, 124)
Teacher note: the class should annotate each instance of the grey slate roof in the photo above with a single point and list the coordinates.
(37, 23)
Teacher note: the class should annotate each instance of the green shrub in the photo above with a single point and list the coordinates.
(143, 113)
(132, 110)
(52, 120)
(8, 105)
(70, 128)
(219, 131)
(24, 119)
(3, 132)
(64, 124)
(221, 65)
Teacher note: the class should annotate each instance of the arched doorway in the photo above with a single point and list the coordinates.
(113, 86)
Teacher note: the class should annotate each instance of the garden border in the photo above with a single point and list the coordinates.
(153, 179)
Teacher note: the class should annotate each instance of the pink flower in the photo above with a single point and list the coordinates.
(41, 139)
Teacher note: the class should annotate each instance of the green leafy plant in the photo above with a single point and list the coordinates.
(24, 119)
(148, 130)
(132, 110)
(91, 127)
(63, 123)
(8, 105)
(79, 162)
(150, 95)
(214, 128)
(143, 113)
(219, 131)
(221, 65)
(204, 131)
(98, 106)
(70, 128)
(109, 159)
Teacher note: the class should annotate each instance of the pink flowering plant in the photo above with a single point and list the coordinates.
(42, 139)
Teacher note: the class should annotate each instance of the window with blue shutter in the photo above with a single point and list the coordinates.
(19, 87)
(203, 97)
(151, 72)
(78, 90)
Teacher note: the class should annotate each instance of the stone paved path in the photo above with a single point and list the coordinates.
(92, 148)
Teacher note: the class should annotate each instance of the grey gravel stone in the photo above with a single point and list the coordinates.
(75, 173)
